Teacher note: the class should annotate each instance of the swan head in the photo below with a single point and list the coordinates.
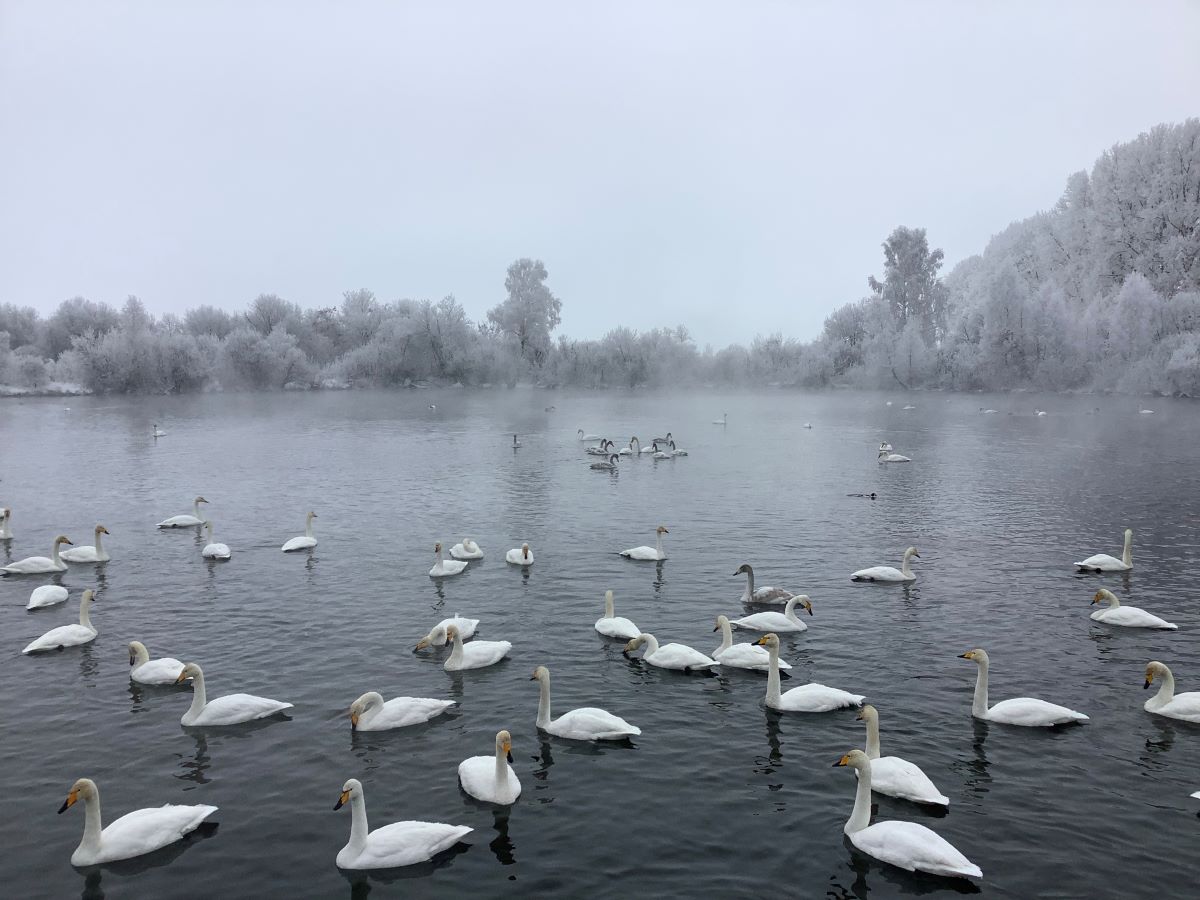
(525, 550)
(191, 670)
(744, 569)
(1103, 595)
(311, 514)
(62, 539)
(868, 714)
(1155, 669)
(580, 432)
(362, 704)
(138, 653)
(722, 621)
(451, 633)
(89, 596)
(504, 744)
(541, 673)
(435, 638)
(85, 788)
(351, 790)
(437, 548)
(769, 640)
(977, 655)
(634, 644)
(912, 551)
(856, 759)
(199, 500)
(661, 529)
(100, 529)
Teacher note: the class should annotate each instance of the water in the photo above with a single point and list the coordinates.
(718, 797)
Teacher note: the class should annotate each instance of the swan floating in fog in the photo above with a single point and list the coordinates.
(392, 846)
(785, 621)
(73, 635)
(158, 432)
(468, 549)
(304, 541)
(516, 443)
(94, 554)
(444, 568)
(889, 573)
(46, 595)
(1102, 562)
(910, 406)
(1039, 412)
(614, 626)
(1166, 702)
(232, 709)
(1027, 711)
(588, 437)
(986, 411)
(609, 465)
(767, 595)
(520, 556)
(894, 776)
(649, 553)
(675, 451)
(885, 457)
(475, 655)
(371, 713)
(133, 834)
(885, 447)
(490, 778)
(670, 656)
(664, 440)
(1146, 412)
(39, 565)
(186, 521)
(634, 448)
(741, 656)
(214, 549)
(724, 420)
(1129, 616)
(144, 670)
(587, 723)
(660, 454)
(808, 698)
(605, 449)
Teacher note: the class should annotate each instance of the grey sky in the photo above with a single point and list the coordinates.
(729, 166)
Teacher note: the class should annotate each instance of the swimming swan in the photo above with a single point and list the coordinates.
(885, 457)
(305, 541)
(46, 595)
(606, 447)
(468, 549)
(1027, 711)
(158, 432)
(370, 713)
(768, 595)
(588, 437)
(519, 556)
(39, 565)
(6, 533)
(491, 778)
(474, 655)
(810, 698)
(94, 554)
(232, 709)
(1102, 562)
(609, 465)
(778, 622)
(894, 776)
(906, 845)
(437, 634)
(587, 723)
(1166, 702)
(392, 846)
(144, 670)
(670, 656)
(643, 552)
(214, 549)
(444, 568)
(889, 573)
(615, 626)
(1129, 616)
(73, 635)
(133, 834)
(741, 656)
(186, 521)
(631, 450)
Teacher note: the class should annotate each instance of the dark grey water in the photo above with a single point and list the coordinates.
(718, 797)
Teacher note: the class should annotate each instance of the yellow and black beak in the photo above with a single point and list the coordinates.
(182, 677)
(353, 721)
(69, 802)
(342, 798)
(966, 655)
(421, 645)
(716, 628)
(508, 752)
(761, 640)
(844, 761)
(1149, 680)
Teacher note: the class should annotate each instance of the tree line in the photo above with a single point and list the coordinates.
(1100, 292)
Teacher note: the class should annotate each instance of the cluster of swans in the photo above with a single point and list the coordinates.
(660, 448)
(466, 551)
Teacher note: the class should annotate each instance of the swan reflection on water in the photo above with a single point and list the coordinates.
(127, 868)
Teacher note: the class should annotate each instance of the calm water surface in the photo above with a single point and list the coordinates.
(718, 797)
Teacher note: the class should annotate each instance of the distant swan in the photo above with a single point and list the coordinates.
(889, 573)
(468, 549)
(645, 553)
(1146, 412)
(370, 713)
(766, 595)
(885, 447)
(186, 521)
(475, 655)
(94, 554)
(986, 411)
(1102, 562)
(490, 778)
(444, 568)
(305, 541)
(1129, 616)
(910, 406)
(1027, 711)
(214, 549)
(392, 846)
(664, 440)
(588, 437)
(587, 723)
(634, 448)
(885, 457)
(670, 656)
(808, 698)
(232, 709)
(614, 626)
(609, 465)
(73, 635)
(516, 443)
(724, 420)
(46, 595)
(894, 776)
(144, 670)
(741, 656)
(6, 524)
(521, 556)
(133, 834)
(660, 454)
(605, 448)
(1166, 702)
(1039, 412)
(785, 621)
(159, 432)
(39, 565)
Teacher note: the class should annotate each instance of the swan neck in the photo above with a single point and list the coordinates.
(872, 738)
(501, 769)
(84, 619)
(609, 612)
(308, 528)
(199, 698)
(860, 816)
(658, 545)
(773, 677)
(99, 545)
(54, 555)
(196, 510)
(979, 706)
(749, 584)
(904, 569)
(1166, 690)
(651, 645)
(358, 824)
(456, 654)
(1127, 553)
(92, 827)
(543, 717)
(726, 637)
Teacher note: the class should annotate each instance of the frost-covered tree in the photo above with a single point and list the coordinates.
(530, 313)
(911, 286)
(75, 318)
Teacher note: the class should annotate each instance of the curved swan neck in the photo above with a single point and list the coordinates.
(651, 643)
(609, 612)
(358, 823)
(92, 826)
(860, 816)
(456, 654)
(726, 637)
(773, 676)
(1166, 690)
(1111, 599)
(979, 706)
(872, 738)
(904, 569)
(141, 655)
(749, 582)
(1127, 553)
(543, 716)
(199, 699)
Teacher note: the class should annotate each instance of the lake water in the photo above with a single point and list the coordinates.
(719, 797)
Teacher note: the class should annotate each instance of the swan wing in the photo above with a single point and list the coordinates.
(478, 654)
(898, 777)
(164, 670)
(1101, 561)
(458, 551)
(747, 656)
(216, 551)
(878, 573)
(62, 636)
(303, 542)
(46, 595)
(1182, 706)
(617, 627)
(680, 656)
(404, 843)
(400, 712)
(1131, 617)
(769, 621)
(478, 778)
(180, 522)
(82, 555)
(146, 830)
(32, 565)
(914, 847)
(772, 595)
(1032, 712)
(815, 697)
(589, 723)
(643, 552)
(233, 709)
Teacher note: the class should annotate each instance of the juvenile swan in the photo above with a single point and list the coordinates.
(766, 595)
(1027, 711)
(392, 846)
(1102, 562)
(587, 723)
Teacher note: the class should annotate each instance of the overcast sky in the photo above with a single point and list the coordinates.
(730, 166)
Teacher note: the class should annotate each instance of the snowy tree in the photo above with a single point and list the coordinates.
(530, 313)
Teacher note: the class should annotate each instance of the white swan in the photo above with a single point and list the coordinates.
(144, 670)
(491, 778)
(1102, 562)
(1039, 412)
(807, 425)
(158, 432)
(811, 698)
(649, 553)
(39, 565)
(516, 444)
(587, 723)
(5, 524)
(675, 451)
(468, 549)
(660, 454)
(232, 709)
(909, 406)
(889, 573)
(444, 568)
(606, 447)
(724, 420)
(1027, 711)
(609, 465)
(370, 713)
(437, 634)
(653, 448)
(885, 457)
(214, 549)
(1146, 412)
(186, 521)
(631, 450)
(133, 834)
(741, 656)
(614, 626)
(778, 621)
(1129, 616)
(988, 411)
(1166, 702)
(474, 655)
(46, 595)
(94, 554)
(588, 437)
(521, 556)
(905, 845)
(305, 541)
(894, 776)
(392, 846)
(73, 635)
(670, 656)
(767, 595)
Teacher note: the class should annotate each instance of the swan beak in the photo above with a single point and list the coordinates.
(421, 644)
(182, 677)
(345, 795)
(917, 555)
(353, 721)
(967, 655)
(808, 609)
(1149, 679)
(131, 660)
(68, 541)
(716, 628)
(69, 802)
(844, 761)
(761, 640)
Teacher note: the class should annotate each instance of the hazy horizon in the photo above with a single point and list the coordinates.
(664, 162)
